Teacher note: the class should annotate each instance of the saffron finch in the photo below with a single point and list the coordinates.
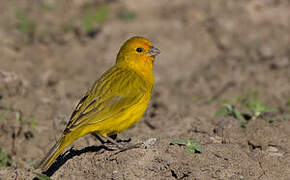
(116, 101)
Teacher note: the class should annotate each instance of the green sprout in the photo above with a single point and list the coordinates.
(191, 146)
(257, 109)
(25, 24)
(249, 102)
(288, 103)
(99, 15)
(228, 110)
(5, 159)
(17, 115)
(33, 123)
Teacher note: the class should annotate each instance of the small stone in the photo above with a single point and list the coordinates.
(149, 142)
(276, 154)
(272, 149)
(266, 51)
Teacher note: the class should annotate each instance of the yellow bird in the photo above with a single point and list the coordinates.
(116, 101)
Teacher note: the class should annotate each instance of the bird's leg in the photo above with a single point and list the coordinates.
(110, 139)
(118, 140)
(130, 146)
(98, 137)
(115, 137)
(144, 144)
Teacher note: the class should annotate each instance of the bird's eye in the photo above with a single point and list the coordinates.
(139, 50)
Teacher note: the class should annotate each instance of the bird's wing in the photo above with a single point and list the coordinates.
(114, 92)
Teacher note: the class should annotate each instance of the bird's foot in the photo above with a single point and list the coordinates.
(112, 142)
(146, 144)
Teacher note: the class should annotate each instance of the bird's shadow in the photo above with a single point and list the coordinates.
(62, 159)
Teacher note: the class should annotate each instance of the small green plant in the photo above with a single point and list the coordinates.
(288, 103)
(91, 18)
(228, 110)
(33, 123)
(25, 24)
(257, 108)
(250, 103)
(191, 146)
(5, 159)
(42, 176)
(17, 115)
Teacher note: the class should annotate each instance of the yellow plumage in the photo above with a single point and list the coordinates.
(116, 101)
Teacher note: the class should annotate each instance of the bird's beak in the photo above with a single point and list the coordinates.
(153, 51)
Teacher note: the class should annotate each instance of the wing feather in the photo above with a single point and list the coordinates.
(114, 92)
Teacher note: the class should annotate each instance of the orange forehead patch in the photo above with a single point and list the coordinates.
(139, 41)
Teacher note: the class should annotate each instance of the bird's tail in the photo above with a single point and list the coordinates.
(54, 152)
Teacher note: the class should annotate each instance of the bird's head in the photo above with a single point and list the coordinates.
(137, 53)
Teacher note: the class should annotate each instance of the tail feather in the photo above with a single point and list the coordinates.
(62, 143)
(53, 153)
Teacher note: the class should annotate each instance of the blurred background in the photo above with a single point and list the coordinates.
(222, 79)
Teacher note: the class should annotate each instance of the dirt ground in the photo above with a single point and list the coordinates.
(52, 52)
